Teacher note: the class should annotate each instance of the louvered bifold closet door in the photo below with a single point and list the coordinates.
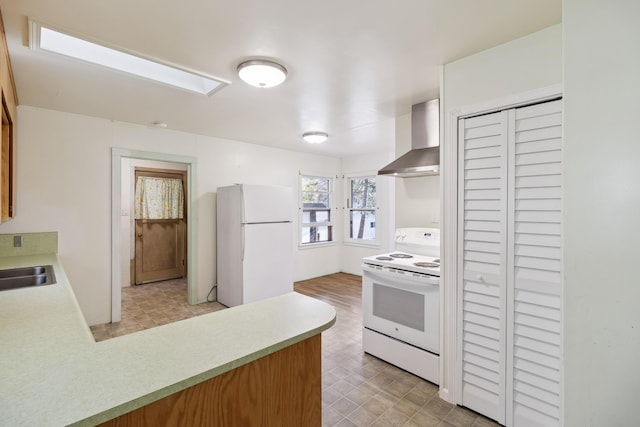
(482, 249)
(534, 278)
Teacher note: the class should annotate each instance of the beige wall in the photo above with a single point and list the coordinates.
(601, 212)
(64, 185)
(599, 71)
(530, 62)
(522, 65)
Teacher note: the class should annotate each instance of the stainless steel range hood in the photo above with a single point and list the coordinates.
(424, 157)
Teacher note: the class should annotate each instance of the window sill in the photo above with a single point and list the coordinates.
(372, 245)
(316, 245)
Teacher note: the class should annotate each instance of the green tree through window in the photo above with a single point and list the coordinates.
(362, 211)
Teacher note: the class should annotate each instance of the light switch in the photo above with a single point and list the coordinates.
(124, 212)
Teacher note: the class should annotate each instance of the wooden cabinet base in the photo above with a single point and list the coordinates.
(281, 389)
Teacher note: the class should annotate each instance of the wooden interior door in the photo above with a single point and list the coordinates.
(160, 244)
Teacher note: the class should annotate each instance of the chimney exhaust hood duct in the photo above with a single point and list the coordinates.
(424, 157)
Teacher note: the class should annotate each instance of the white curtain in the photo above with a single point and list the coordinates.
(159, 198)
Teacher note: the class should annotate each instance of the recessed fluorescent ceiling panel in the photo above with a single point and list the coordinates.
(44, 38)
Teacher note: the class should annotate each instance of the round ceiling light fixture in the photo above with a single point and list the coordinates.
(315, 137)
(262, 73)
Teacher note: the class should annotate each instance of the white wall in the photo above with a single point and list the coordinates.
(127, 227)
(530, 62)
(601, 212)
(417, 201)
(352, 254)
(64, 185)
(522, 65)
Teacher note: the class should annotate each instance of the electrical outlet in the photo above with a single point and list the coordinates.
(17, 241)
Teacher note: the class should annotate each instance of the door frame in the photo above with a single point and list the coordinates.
(117, 154)
(450, 383)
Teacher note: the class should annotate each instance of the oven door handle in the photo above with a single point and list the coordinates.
(414, 278)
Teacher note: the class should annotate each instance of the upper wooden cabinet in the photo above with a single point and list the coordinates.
(9, 101)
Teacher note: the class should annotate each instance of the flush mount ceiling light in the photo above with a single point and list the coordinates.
(262, 73)
(43, 38)
(315, 137)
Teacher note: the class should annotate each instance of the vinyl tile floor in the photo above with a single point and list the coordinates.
(361, 390)
(357, 389)
(150, 305)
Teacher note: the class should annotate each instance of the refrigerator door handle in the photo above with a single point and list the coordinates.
(242, 257)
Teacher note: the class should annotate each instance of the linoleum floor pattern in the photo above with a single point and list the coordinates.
(361, 390)
(150, 305)
(357, 389)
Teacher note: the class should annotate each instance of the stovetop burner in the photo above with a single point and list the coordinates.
(426, 264)
(402, 261)
(401, 256)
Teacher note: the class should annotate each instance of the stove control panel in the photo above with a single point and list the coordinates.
(417, 235)
(418, 240)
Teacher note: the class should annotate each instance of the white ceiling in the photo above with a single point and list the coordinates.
(354, 65)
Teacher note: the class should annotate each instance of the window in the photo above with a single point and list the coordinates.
(315, 222)
(361, 205)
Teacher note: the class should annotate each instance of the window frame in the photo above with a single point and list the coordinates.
(330, 224)
(349, 208)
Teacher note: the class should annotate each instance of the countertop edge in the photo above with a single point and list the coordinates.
(189, 382)
(267, 326)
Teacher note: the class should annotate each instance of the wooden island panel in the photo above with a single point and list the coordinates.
(281, 389)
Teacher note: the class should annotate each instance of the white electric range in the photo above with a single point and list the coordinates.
(401, 303)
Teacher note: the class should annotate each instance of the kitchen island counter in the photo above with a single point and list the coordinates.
(54, 373)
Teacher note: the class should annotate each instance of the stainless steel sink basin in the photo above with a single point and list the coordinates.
(24, 271)
(14, 278)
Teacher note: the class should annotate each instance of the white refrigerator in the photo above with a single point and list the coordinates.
(254, 242)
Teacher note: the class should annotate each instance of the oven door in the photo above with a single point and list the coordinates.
(402, 305)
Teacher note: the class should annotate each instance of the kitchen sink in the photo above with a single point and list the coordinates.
(14, 278)
(24, 271)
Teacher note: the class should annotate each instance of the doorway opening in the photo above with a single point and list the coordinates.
(121, 215)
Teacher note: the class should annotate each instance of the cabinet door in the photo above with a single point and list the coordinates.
(483, 254)
(6, 163)
(509, 340)
(534, 265)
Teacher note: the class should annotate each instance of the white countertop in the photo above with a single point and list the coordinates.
(53, 373)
